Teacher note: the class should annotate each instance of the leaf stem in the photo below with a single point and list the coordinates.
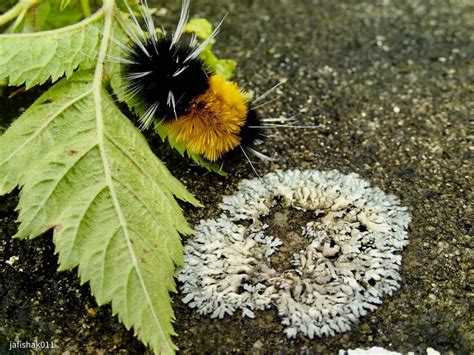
(21, 7)
(86, 9)
(18, 21)
(108, 10)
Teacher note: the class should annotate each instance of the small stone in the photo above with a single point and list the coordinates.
(258, 345)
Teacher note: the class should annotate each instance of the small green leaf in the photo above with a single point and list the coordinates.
(211, 166)
(35, 21)
(201, 27)
(225, 67)
(59, 16)
(43, 15)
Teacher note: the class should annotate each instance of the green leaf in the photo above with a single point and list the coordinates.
(35, 20)
(203, 29)
(225, 67)
(42, 15)
(17, 13)
(58, 15)
(64, 4)
(108, 198)
(88, 173)
(34, 58)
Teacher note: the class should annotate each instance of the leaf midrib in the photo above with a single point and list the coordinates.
(108, 9)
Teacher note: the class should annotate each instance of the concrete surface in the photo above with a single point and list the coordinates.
(392, 85)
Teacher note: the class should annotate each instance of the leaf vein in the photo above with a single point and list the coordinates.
(104, 254)
(81, 219)
(46, 124)
(57, 181)
(138, 235)
(137, 165)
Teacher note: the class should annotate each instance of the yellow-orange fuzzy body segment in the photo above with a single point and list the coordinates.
(213, 122)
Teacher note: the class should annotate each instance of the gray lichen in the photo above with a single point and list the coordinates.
(350, 263)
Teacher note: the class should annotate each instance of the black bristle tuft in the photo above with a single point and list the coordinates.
(251, 131)
(169, 72)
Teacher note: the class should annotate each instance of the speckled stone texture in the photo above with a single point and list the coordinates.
(391, 83)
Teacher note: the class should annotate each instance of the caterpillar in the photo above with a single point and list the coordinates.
(208, 114)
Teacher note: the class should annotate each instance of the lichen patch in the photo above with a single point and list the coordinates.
(349, 263)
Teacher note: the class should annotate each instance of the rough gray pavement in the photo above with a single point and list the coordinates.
(391, 85)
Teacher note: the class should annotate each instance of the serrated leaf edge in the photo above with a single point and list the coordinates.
(46, 124)
(55, 33)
